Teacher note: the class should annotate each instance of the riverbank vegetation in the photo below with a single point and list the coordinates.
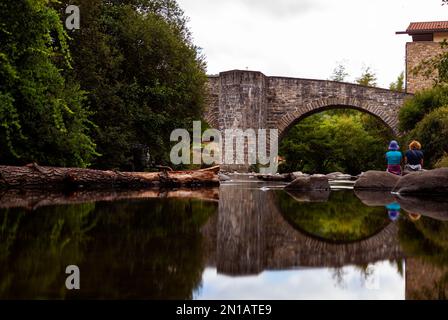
(107, 95)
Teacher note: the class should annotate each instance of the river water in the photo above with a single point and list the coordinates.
(244, 240)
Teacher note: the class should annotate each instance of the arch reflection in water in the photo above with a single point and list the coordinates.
(259, 250)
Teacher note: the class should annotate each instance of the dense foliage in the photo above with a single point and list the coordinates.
(422, 103)
(339, 140)
(143, 75)
(43, 117)
(432, 132)
(108, 94)
(425, 118)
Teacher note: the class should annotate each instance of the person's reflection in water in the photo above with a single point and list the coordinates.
(393, 210)
(414, 216)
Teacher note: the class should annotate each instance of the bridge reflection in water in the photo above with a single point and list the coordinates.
(264, 229)
(250, 235)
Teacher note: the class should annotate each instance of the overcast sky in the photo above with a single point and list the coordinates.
(307, 38)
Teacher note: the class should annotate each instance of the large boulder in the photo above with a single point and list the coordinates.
(431, 182)
(376, 180)
(311, 183)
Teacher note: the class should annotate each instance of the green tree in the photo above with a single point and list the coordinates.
(432, 132)
(42, 117)
(398, 85)
(422, 103)
(367, 78)
(339, 73)
(144, 76)
(327, 142)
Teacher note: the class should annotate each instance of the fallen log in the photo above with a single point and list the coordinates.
(33, 175)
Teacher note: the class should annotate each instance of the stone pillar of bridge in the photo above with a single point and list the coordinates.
(242, 105)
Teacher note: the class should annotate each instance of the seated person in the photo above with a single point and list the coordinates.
(394, 158)
(414, 157)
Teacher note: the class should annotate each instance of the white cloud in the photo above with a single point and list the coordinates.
(280, 8)
(304, 38)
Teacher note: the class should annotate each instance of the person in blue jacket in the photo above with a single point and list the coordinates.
(394, 158)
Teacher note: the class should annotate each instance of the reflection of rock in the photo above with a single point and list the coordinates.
(375, 198)
(315, 182)
(377, 180)
(310, 196)
(424, 182)
(435, 208)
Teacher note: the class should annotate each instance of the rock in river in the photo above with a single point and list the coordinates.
(315, 182)
(377, 180)
(431, 182)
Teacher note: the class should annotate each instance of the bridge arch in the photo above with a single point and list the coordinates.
(294, 116)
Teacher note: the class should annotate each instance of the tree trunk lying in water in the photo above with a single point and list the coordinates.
(34, 175)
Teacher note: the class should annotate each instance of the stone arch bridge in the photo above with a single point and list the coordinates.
(250, 100)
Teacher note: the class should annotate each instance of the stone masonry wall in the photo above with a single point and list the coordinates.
(290, 99)
(416, 52)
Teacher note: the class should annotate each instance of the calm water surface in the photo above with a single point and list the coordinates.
(245, 240)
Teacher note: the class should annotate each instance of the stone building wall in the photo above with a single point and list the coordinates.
(416, 52)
